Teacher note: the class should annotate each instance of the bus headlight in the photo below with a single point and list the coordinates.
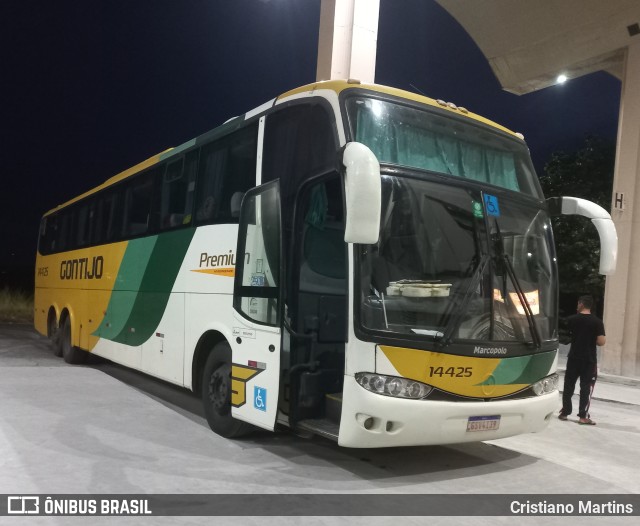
(546, 385)
(393, 386)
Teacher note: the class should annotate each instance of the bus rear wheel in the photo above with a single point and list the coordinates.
(54, 335)
(70, 353)
(216, 394)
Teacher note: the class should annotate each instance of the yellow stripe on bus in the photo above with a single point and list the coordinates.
(462, 375)
(80, 281)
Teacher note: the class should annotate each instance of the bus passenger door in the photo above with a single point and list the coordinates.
(257, 312)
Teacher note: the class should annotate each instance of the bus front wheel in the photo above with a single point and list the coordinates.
(216, 394)
(70, 353)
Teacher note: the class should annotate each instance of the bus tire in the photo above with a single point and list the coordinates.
(54, 335)
(71, 354)
(216, 394)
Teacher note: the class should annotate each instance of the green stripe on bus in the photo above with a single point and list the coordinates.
(157, 283)
(521, 370)
(538, 367)
(143, 286)
(128, 281)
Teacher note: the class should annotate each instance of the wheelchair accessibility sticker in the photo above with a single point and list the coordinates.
(260, 398)
(491, 204)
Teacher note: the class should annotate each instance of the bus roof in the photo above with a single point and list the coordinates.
(341, 85)
(338, 86)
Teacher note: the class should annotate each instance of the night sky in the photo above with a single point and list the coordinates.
(89, 88)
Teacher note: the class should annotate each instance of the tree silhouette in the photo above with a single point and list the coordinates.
(586, 173)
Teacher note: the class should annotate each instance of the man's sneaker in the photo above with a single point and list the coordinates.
(562, 416)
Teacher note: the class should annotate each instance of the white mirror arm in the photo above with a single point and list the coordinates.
(601, 220)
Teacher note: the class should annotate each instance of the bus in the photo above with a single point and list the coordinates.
(348, 260)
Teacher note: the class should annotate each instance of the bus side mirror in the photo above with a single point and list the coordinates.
(602, 221)
(363, 194)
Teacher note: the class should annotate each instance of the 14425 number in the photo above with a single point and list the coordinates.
(453, 372)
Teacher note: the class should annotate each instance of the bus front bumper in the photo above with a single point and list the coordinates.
(373, 420)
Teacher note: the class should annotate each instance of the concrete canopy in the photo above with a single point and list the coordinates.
(529, 43)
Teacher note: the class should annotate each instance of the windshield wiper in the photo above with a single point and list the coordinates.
(499, 248)
(533, 328)
(459, 306)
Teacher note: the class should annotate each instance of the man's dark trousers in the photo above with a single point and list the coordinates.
(587, 371)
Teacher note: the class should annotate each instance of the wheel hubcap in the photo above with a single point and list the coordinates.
(220, 390)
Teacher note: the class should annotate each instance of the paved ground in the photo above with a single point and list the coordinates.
(104, 429)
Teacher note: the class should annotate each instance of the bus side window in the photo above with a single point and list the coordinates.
(300, 141)
(176, 195)
(190, 173)
(85, 218)
(138, 196)
(62, 241)
(172, 195)
(227, 168)
(323, 247)
(213, 161)
(111, 218)
(48, 231)
(241, 172)
(69, 229)
(96, 232)
(322, 260)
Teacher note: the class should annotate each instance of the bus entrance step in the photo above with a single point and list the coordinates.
(333, 406)
(322, 427)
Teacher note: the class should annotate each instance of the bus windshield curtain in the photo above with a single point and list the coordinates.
(404, 144)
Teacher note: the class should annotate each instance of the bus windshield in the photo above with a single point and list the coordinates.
(447, 268)
(427, 140)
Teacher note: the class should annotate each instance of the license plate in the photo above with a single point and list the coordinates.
(483, 423)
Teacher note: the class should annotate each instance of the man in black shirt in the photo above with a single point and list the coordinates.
(587, 331)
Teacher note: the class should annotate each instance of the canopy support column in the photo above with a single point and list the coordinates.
(622, 293)
(348, 40)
